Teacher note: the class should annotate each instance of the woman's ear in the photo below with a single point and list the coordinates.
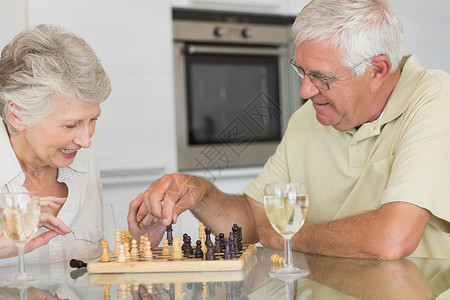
(13, 118)
(381, 66)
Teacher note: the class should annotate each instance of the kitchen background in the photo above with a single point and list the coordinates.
(135, 140)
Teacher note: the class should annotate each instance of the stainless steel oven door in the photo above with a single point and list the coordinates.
(231, 102)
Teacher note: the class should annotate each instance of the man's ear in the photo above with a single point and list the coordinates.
(13, 118)
(381, 66)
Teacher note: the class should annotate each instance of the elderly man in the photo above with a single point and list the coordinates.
(372, 145)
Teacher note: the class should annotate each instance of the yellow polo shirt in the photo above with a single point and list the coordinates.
(402, 156)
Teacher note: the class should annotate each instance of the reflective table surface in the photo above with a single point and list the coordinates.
(329, 278)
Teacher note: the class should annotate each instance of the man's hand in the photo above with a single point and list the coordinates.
(146, 224)
(171, 195)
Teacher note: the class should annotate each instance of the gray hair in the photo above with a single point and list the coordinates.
(43, 62)
(357, 29)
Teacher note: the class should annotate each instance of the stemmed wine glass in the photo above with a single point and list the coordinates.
(286, 205)
(20, 214)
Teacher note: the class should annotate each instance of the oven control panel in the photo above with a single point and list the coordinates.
(226, 32)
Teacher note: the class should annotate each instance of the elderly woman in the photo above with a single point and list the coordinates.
(51, 87)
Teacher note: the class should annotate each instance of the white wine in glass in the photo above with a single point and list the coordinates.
(286, 205)
(20, 214)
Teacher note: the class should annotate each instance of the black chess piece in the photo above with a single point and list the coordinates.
(227, 253)
(198, 250)
(237, 236)
(187, 246)
(208, 241)
(233, 248)
(169, 234)
(222, 241)
(212, 289)
(239, 239)
(210, 252)
(75, 263)
(217, 247)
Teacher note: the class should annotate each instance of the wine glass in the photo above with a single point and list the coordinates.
(286, 205)
(20, 214)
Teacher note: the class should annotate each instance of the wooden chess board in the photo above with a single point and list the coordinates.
(160, 263)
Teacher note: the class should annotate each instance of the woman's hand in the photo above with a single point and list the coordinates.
(46, 220)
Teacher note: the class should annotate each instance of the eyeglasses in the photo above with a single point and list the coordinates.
(316, 78)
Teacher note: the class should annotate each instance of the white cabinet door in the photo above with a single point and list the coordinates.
(133, 39)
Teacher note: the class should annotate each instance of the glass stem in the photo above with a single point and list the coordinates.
(21, 256)
(287, 253)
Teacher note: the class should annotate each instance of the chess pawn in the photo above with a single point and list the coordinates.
(217, 247)
(148, 250)
(134, 248)
(105, 256)
(165, 250)
(198, 250)
(121, 257)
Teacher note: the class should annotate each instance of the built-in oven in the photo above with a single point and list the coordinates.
(234, 88)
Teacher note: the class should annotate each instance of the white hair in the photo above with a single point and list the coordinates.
(43, 62)
(357, 29)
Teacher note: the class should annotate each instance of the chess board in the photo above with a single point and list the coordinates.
(160, 263)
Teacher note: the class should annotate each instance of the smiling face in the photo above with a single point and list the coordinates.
(347, 104)
(55, 140)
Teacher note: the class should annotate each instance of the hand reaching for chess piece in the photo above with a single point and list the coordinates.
(146, 223)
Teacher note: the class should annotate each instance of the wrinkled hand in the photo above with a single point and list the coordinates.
(141, 293)
(49, 221)
(171, 195)
(147, 224)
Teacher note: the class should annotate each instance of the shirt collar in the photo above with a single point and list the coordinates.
(412, 71)
(8, 160)
(397, 102)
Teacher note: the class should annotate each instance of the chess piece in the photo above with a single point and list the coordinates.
(233, 248)
(210, 252)
(117, 239)
(75, 263)
(134, 249)
(202, 236)
(222, 241)
(106, 290)
(227, 253)
(276, 259)
(148, 250)
(208, 241)
(198, 250)
(127, 251)
(105, 256)
(176, 248)
(121, 257)
(165, 250)
(141, 244)
(178, 290)
(169, 234)
(187, 246)
(204, 295)
(217, 247)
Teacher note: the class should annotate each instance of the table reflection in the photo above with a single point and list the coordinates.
(330, 278)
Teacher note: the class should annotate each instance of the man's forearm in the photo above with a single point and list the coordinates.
(220, 211)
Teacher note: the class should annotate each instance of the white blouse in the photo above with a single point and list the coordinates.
(82, 212)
